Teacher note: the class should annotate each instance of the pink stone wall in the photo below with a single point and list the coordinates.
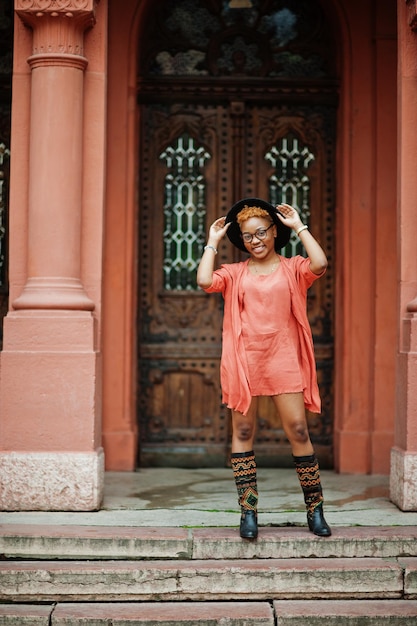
(366, 240)
(120, 254)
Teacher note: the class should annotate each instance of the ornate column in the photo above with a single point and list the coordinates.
(50, 438)
(57, 65)
(403, 478)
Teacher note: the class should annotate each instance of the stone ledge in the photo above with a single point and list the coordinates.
(252, 579)
(182, 613)
(25, 615)
(410, 577)
(346, 613)
(286, 612)
(129, 542)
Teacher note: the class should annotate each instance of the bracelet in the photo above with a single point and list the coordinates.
(210, 248)
(305, 227)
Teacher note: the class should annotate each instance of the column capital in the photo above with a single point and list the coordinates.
(412, 14)
(58, 25)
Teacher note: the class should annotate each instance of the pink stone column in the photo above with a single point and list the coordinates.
(403, 477)
(50, 431)
(56, 119)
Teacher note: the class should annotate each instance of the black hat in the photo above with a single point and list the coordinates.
(233, 232)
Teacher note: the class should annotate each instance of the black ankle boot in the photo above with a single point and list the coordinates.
(316, 522)
(248, 524)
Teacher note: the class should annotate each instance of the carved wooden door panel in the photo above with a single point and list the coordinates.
(293, 161)
(181, 419)
(196, 161)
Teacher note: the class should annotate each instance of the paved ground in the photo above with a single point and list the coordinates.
(207, 497)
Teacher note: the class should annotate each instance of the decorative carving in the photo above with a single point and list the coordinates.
(180, 312)
(58, 27)
(41, 7)
(180, 63)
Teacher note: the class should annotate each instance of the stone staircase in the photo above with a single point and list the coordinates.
(97, 575)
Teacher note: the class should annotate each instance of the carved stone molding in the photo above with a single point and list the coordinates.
(43, 7)
(58, 26)
(412, 14)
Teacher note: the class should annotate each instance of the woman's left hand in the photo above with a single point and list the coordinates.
(289, 216)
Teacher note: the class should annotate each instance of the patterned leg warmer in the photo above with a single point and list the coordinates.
(244, 471)
(309, 476)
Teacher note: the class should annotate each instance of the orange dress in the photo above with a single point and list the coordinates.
(270, 340)
(267, 343)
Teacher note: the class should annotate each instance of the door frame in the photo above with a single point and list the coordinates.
(353, 394)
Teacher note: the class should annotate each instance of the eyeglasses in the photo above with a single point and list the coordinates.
(259, 234)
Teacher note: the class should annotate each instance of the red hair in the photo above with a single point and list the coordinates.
(252, 211)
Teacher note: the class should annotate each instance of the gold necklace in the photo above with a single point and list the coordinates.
(270, 268)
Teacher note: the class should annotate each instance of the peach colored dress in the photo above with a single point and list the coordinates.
(270, 340)
(267, 342)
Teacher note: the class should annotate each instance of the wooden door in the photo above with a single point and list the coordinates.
(198, 160)
(205, 143)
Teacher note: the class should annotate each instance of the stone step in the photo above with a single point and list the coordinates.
(25, 614)
(110, 542)
(203, 580)
(342, 613)
(280, 612)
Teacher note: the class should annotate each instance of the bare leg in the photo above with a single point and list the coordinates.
(244, 470)
(243, 428)
(290, 407)
(292, 412)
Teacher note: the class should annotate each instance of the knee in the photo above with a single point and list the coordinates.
(244, 432)
(299, 432)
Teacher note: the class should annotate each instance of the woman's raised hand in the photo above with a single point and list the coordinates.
(218, 230)
(289, 216)
(205, 269)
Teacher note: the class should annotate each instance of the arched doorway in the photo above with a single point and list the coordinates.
(235, 99)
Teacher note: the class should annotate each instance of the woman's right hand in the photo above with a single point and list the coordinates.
(218, 230)
(206, 266)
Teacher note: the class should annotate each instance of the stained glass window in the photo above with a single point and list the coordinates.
(275, 38)
(290, 182)
(184, 212)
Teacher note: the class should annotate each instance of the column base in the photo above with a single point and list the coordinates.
(51, 481)
(53, 293)
(403, 479)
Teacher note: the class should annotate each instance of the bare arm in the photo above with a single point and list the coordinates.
(206, 267)
(318, 260)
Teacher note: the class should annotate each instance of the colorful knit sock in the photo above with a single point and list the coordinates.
(309, 476)
(244, 471)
